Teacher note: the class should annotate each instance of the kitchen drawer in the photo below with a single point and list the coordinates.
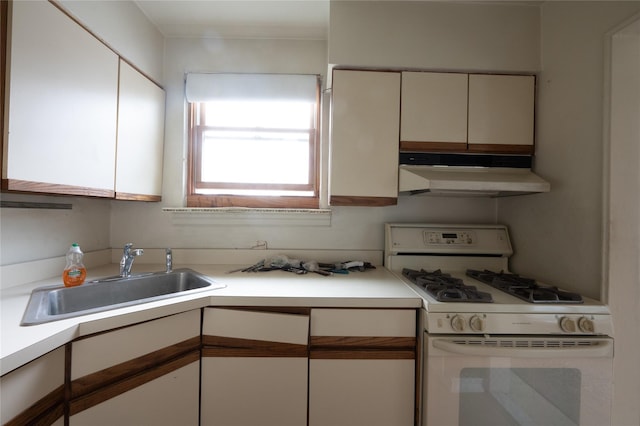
(363, 322)
(105, 350)
(253, 325)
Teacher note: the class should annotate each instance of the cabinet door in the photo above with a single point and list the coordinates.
(171, 399)
(145, 371)
(62, 90)
(34, 393)
(140, 137)
(501, 113)
(362, 369)
(434, 111)
(364, 138)
(254, 368)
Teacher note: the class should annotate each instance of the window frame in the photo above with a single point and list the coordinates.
(194, 182)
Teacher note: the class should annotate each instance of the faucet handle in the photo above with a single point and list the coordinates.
(169, 260)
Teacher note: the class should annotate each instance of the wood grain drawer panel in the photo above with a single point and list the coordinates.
(43, 412)
(102, 351)
(92, 382)
(256, 326)
(107, 392)
(362, 342)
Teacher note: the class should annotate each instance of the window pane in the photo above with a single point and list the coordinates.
(255, 157)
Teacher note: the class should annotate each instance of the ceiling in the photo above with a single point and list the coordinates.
(294, 19)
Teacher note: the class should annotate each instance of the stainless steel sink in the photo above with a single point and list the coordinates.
(57, 302)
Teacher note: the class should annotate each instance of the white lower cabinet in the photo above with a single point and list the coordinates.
(34, 393)
(254, 368)
(367, 392)
(144, 374)
(362, 367)
(171, 399)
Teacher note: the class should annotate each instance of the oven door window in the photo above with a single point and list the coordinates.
(519, 396)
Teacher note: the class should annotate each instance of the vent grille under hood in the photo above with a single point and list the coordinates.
(480, 175)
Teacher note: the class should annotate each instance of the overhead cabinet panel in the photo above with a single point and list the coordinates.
(364, 138)
(501, 111)
(434, 111)
(62, 104)
(140, 136)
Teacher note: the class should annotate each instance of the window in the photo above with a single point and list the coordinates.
(253, 140)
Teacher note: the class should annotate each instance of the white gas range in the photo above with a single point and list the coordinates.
(499, 348)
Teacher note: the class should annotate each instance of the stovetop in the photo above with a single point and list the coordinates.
(462, 274)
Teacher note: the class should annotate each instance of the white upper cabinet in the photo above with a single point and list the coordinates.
(140, 136)
(501, 112)
(364, 138)
(434, 111)
(62, 110)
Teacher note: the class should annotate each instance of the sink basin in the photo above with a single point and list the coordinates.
(57, 302)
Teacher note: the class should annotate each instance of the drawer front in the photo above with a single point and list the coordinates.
(105, 350)
(252, 325)
(363, 322)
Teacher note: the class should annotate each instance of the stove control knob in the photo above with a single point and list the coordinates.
(476, 323)
(567, 325)
(457, 323)
(586, 325)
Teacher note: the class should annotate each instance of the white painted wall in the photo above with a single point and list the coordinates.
(623, 131)
(435, 35)
(558, 235)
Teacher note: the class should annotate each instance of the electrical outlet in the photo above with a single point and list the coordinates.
(259, 245)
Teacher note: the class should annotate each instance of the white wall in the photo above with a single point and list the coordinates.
(435, 35)
(563, 229)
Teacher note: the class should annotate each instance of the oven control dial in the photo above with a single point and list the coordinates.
(457, 323)
(586, 325)
(476, 323)
(567, 325)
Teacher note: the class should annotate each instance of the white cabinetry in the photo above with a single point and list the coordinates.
(485, 113)
(362, 367)
(501, 112)
(34, 393)
(143, 374)
(365, 125)
(140, 136)
(62, 110)
(434, 111)
(254, 368)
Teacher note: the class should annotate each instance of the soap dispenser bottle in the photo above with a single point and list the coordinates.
(75, 272)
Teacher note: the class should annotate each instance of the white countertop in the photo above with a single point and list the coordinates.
(377, 288)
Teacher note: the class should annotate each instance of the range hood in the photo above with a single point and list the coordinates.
(469, 181)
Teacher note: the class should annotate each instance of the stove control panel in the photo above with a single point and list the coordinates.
(450, 237)
(512, 323)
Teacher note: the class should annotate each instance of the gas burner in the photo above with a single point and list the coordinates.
(445, 288)
(524, 288)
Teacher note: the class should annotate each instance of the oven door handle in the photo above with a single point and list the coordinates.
(532, 348)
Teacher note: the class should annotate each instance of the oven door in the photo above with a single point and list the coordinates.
(478, 380)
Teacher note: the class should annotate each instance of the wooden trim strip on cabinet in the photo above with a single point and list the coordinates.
(45, 411)
(137, 197)
(94, 398)
(347, 200)
(361, 354)
(52, 188)
(216, 346)
(501, 149)
(330, 342)
(108, 376)
(433, 146)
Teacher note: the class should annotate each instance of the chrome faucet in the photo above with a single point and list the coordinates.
(128, 257)
(169, 260)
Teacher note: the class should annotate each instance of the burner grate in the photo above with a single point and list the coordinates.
(524, 288)
(445, 288)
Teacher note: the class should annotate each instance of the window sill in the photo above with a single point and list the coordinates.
(248, 216)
